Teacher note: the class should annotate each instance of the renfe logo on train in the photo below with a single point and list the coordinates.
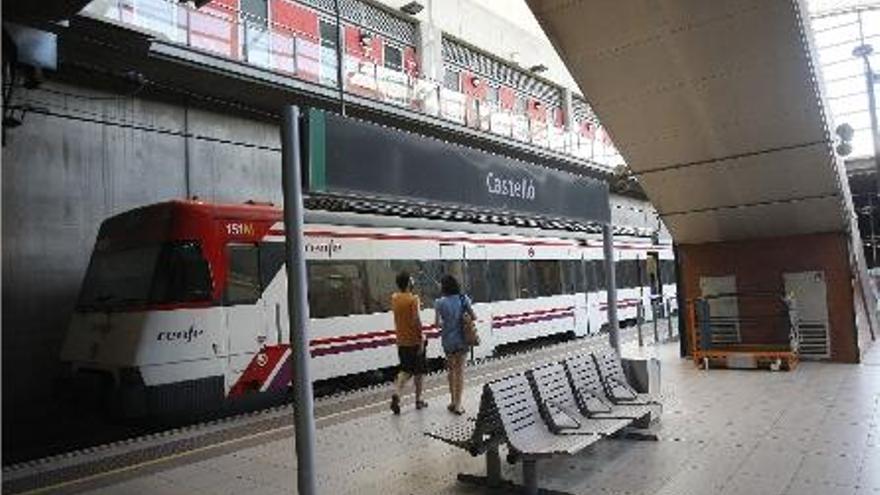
(329, 248)
(502, 186)
(180, 335)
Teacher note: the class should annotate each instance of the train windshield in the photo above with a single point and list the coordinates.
(167, 273)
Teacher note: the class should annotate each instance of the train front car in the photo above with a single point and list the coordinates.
(149, 335)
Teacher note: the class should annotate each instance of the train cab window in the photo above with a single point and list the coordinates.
(501, 278)
(243, 279)
(182, 274)
(336, 288)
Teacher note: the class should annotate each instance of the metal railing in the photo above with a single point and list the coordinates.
(283, 49)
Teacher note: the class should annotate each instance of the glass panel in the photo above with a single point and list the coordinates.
(336, 288)
(547, 277)
(393, 58)
(478, 284)
(501, 276)
(425, 274)
(525, 280)
(381, 284)
(243, 279)
(182, 274)
(257, 10)
(599, 271)
(119, 278)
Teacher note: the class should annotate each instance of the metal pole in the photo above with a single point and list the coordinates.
(655, 312)
(298, 302)
(610, 287)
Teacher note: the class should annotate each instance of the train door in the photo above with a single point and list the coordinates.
(245, 313)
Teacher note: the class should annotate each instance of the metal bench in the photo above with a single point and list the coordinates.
(480, 435)
(528, 437)
(592, 399)
(617, 388)
(556, 399)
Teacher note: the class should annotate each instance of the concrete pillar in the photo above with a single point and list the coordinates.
(567, 110)
(430, 46)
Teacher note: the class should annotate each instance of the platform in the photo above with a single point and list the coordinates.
(815, 430)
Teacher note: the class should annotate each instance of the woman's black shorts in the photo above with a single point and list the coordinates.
(412, 359)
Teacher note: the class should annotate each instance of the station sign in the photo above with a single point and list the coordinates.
(349, 156)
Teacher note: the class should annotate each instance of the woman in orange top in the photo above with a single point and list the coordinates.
(410, 340)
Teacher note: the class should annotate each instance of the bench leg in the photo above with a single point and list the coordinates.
(493, 467)
(530, 477)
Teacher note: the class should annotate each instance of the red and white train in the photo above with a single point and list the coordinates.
(183, 306)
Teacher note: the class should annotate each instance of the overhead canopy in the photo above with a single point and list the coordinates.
(715, 107)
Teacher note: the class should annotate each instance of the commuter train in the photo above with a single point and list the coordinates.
(183, 306)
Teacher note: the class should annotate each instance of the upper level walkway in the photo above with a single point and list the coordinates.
(811, 431)
(294, 45)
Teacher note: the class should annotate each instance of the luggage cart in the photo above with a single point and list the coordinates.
(717, 341)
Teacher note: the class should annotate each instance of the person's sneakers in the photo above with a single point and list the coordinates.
(395, 404)
(420, 404)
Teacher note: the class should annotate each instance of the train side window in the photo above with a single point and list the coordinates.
(381, 283)
(336, 288)
(525, 280)
(599, 271)
(572, 277)
(478, 285)
(501, 276)
(628, 270)
(548, 277)
(243, 279)
(425, 274)
(589, 270)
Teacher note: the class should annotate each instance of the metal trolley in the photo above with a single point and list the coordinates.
(770, 327)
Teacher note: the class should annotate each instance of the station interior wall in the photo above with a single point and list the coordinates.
(758, 266)
(62, 177)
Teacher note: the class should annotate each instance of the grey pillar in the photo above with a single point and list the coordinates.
(611, 287)
(298, 302)
(567, 109)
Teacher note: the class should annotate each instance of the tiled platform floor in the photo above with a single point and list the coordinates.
(812, 431)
